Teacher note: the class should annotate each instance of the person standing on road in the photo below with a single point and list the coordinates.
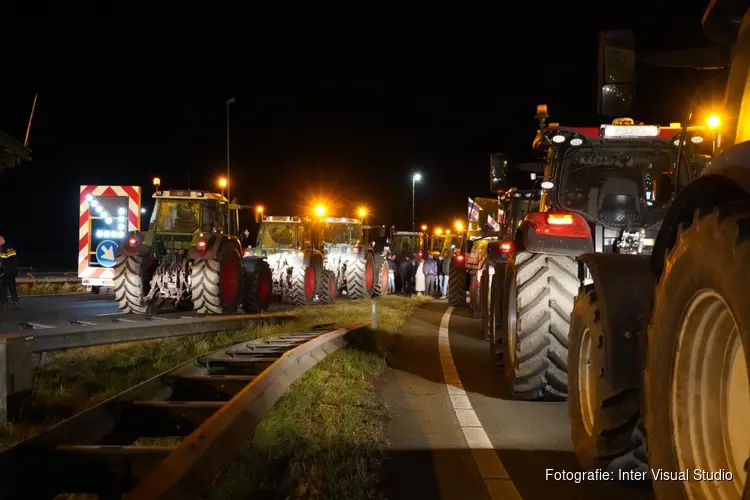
(392, 274)
(419, 278)
(405, 271)
(445, 268)
(8, 274)
(430, 275)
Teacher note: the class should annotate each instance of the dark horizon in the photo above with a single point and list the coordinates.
(351, 128)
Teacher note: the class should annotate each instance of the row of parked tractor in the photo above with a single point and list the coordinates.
(192, 258)
(563, 283)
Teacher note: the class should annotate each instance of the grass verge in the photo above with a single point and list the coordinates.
(41, 288)
(74, 380)
(326, 437)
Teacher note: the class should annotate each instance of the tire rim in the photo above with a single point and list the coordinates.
(710, 356)
(309, 282)
(369, 275)
(586, 382)
(264, 288)
(228, 282)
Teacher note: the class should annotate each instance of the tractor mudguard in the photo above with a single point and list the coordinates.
(624, 289)
(720, 183)
(555, 245)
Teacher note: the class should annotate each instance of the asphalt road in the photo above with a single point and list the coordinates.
(76, 311)
(430, 456)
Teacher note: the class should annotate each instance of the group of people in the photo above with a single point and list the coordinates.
(419, 276)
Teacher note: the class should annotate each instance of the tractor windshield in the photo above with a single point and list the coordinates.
(406, 243)
(176, 216)
(342, 234)
(279, 235)
(436, 243)
(619, 186)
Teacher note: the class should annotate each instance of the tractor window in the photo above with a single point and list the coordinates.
(208, 222)
(277, 235)
(737, 102)
(348, 234)
(618, 186)
(177, 216)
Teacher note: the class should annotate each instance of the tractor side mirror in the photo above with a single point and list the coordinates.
(498, 173)
(616, 72)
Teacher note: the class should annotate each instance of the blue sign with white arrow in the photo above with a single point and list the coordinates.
(105, 253)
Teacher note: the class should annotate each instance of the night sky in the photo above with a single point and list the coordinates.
(346, 118)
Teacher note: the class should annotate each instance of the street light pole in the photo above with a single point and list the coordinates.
(229, 183)
(416, 177)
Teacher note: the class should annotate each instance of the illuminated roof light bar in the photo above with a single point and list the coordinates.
(629, 131)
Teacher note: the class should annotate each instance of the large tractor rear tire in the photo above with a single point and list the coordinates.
(484, 303)
(457, 286)
(602, 420)
(328, 287)
(304, 285)
(258, 289)
(536, 319)
(132, 283)
(216, 284)
(360, 278)
(381, 277)
(495, 322)
(696, 391)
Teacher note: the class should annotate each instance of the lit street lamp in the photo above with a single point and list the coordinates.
(414, 179)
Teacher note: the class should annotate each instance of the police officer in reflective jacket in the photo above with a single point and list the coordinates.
(8, 273)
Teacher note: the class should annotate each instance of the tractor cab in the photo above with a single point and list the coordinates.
(407, 244)
(279, 234)
(342, 232)
(618, 179)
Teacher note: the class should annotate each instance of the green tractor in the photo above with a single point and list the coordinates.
(288, 245)
(192, 258)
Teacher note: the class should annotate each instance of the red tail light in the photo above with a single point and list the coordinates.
(133, 242)
(505, 246)
(459, 257)
(201, 244)
(563, 224)
(247, 253)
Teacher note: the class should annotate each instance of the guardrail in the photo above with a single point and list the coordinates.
(57, 339)
(213, 403)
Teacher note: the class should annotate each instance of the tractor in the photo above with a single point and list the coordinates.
(467, 262)
(515, 205)
(360, 272)
(191, 258)
(605, 189)
(288, 245)
(659, 341)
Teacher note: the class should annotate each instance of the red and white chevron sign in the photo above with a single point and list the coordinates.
(92, 201)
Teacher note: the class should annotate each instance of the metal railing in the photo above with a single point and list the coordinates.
(210, 405)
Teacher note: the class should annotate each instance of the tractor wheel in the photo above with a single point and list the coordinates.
(536, 319)
(474, 295)
(328, 287)
(636, 459)
(132, 283)
(484, 296)
(380, 286)
(495, 328)
(360, 278)
(696, 391)
(304, 285)
(258, 289)
(602, 420)
(457, 287)
(216, 284)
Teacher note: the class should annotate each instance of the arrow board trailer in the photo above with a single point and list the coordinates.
(106, 215)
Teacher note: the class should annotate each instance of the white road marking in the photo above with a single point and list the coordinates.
(110, 314)
(496, 479)
(89, 323)
(126, 320)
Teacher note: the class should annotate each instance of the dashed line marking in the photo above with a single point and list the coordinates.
(110, 314)
(39, 326)
(496, 479)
